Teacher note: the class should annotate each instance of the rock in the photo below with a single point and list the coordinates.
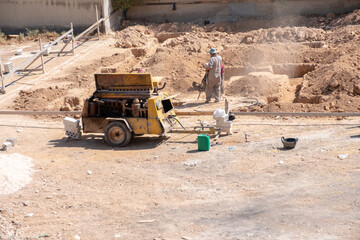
(138, 52)
(249, 40)
(301, 36)
(243, 109)
(271, 99)
(172, 43)
(334, 84)
(330, 15)
(65, 107)
(29, 215)
(357, 89)
(127, 44)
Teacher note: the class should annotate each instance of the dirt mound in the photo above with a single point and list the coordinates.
(40, 99)
(261, 84)
(134, 36)
(343, 20)
(71, 104)
(287, 34)
(336, 83)
(177, 67)
(344, 35)
(177, 52)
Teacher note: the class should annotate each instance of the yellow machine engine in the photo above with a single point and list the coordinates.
(126, 105)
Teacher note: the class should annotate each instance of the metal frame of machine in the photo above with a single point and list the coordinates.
(126, 105)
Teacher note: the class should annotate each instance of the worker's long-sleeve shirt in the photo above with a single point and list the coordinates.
(214, 76)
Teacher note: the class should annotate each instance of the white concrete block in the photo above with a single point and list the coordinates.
(6, 146)
(13, 141)
(72, 127)
(8, 67)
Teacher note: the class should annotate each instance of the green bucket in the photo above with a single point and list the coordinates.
(203, 142)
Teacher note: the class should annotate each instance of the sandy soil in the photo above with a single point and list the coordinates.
(158, 188)
(246, 190)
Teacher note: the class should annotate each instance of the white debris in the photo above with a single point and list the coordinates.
(190, 164)
(19, 52)
(343, 156)
(281, 162)
(15, 172)
(29, 215)
(89, 172)
(19, 129)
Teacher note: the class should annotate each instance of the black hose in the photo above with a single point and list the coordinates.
(179, 122)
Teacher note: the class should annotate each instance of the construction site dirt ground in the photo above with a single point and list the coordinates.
(164, 188)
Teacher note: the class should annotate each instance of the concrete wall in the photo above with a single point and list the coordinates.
(18, 14)
(231, 10)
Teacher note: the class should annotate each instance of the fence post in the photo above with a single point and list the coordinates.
(1, 76)
(72, 38)
(97, 20)
(42, 59)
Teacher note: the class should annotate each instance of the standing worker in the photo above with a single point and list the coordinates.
(213, 82)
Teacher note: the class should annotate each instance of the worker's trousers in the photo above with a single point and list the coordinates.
(213, 89)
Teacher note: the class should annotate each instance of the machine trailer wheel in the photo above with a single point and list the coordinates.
(117, 134)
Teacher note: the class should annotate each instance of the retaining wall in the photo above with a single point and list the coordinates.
(232, 10)
(58, 14)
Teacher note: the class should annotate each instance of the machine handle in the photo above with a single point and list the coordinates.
(163, 86)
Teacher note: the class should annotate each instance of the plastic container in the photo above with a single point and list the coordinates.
(203, 142)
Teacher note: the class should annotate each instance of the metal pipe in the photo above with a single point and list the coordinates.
(269, 114)
(179, 113)
(40, 112)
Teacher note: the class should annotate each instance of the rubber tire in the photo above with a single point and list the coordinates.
(113, 132)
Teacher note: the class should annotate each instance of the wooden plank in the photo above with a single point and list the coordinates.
(92, 27)
(62, 49)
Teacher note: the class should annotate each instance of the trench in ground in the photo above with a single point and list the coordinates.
(286, 80)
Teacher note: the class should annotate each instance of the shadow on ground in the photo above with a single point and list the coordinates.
(97, 142)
